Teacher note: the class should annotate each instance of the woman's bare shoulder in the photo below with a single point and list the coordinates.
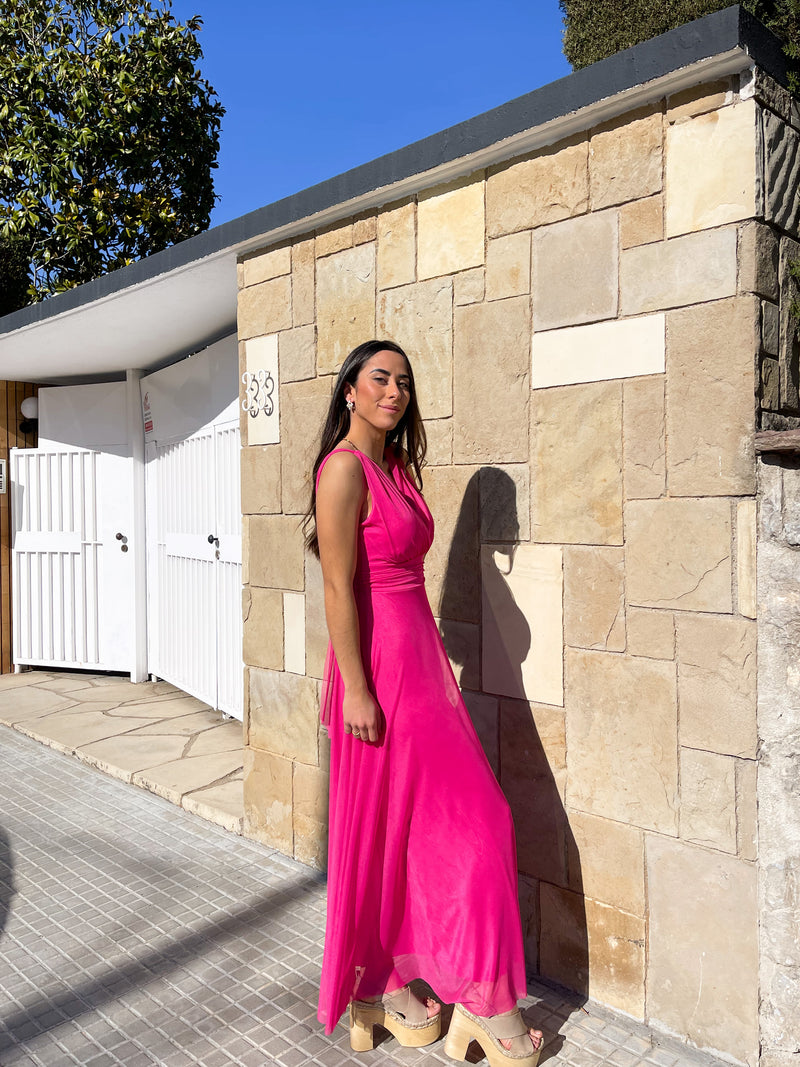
(342, 470)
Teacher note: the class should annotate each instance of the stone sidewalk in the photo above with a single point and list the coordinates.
(149, 734)
(134, 933)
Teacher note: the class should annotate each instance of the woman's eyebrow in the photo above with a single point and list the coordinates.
(380, 370)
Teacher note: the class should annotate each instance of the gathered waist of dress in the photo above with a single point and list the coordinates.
(388, 574)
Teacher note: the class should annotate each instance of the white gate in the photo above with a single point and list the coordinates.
(72, 573)
(195, 565)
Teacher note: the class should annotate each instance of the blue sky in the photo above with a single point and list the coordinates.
(313, 88)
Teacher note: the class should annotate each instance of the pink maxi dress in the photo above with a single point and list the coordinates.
(422, 879)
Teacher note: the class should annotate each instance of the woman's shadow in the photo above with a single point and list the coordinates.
(518, 736)
(6, 879)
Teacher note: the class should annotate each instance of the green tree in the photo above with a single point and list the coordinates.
(108, 134)
(15, 261)
(594, 29)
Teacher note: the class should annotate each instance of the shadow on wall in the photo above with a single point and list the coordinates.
(6, 879)
(551, 887)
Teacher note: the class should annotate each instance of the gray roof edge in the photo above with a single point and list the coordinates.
(723, 31)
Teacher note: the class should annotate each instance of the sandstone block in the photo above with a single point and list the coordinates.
(747, 809)
(550, 186)
(702, 982)
(333, 238)
(468, 286)
(746, 557)
(265, 308)
(268, 799)
(758, 260)
(710, 398)
(616, 958)
(302, 404)
(609, 865)
(780, 959)
(621, 348)
(261, 479)
(297, 354)
(779, 634)
(505, 502)
(789, 343)
(575, 271)
(450, 227)
(261, 266)
(345, 304)
(310, 815)
(462, 642)
(717, 683)
(439, 433)
(651, 633)
(770, 328)
(483, 711)
(316, 641)
(451, 576)
(294, 632)
(576, 495)
(397, 246)
(303, 282)
(564, 941)
(644, 438)
(276, 552)
(259, 395)
(508, 266)
(686, 270)
(284, 712)
(262, 611)
(492, 364)
(523, 644)
(622, 739)
(769, 389)
(710, 171)
(529, 914)
(708, 799)
(781, 172)
(419, 318)
(679, 554)
(625, 158)
(594, 598)
(697, 100)
(641, 222)
(365, 229)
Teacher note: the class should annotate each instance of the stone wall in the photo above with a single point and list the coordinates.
(590, 328)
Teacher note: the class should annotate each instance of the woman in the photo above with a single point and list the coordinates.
(422, 868)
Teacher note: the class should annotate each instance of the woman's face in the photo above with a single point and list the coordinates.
(382, 391)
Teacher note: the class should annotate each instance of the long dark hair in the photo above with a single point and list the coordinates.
(407, 437)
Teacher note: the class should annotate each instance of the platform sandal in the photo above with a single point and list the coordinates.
(400, 1013)
(489, 1032)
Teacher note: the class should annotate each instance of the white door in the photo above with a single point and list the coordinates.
(72, 576)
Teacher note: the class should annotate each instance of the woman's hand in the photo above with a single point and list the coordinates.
(362, 716)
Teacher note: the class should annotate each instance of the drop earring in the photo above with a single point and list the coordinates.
(350, 406)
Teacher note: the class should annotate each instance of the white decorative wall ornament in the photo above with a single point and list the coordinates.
(259, 392)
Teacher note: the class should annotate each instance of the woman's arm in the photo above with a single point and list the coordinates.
(341, 494)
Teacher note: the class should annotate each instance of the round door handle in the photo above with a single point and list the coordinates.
(120, 537)
(212, 540)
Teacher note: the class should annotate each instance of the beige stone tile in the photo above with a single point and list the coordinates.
(72, 729)
(316, 640)
(711, 359)
(462, 643)
(686, 270)
(333, 239)
(276, 552)
(710, 171)
(450, 227)
(284, 712)
(598, 352)
(226, 736)
(679, 554)
(261, 394)
(303, 282)
(747, 809)
(746, 557)
(451, 576)
(419, 318)
(262, 266)
(261, 479)
(651, 633)
(697, 100)
(701, 981)
(397, 246)
(564, 941)
(644, 438)
(491, 386)
(608, 864)
(641, 221)
(505, 502)
(265, 308)
(576, 491)
(345, 304)
(297, 354)
(622, 739)
(708, 799)
(166, 707)
(21, 704)
(575, 271)
(262, 612)
(439, 433)
(221, 804)
(717, 683)
(303, 404)
(294, 632)
(550, 186)
(34, 677)
(185, 775)
(122, 757)
(594, 597)
(522, 622)
(268, 800)
(310, 815)
(184, 726)
(508, 266)
(626, 158)
(365, 229)
(469, 286)
(122, 692)
(616, 958)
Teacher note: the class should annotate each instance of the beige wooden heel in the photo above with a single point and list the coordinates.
(362, 1030)
(466, 1027)
(458, 1037)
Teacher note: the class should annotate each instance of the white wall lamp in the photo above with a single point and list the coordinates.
(29, 409)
